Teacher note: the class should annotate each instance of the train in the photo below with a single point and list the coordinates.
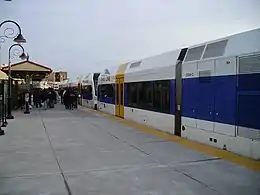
(208, 92)
(89, 90)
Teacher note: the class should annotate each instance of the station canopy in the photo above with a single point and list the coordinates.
(19, 70)
(3, 76)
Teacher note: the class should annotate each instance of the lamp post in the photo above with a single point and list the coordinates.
(9, 32)
(22, 57)
(18, 38)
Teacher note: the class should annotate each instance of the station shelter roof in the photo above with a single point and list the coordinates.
(21, 69)
(3, 75)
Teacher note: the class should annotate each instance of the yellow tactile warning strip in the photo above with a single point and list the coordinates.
(237, 159)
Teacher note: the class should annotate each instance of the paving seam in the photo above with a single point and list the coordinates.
(210, 150)
(157, 161)
(171, 166)
(117, 168)
(28, 175)
(148, 154)
(198, 181)
(124, 141)
(202, 160)
(56, 158)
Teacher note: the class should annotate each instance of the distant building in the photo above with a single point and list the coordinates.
(57, 76)
(54, 79)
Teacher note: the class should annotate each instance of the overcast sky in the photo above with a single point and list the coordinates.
(81, 36)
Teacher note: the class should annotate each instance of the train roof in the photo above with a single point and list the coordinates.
(109, 71)
(108, 75)
(233, 45)
(86, 80)
(157, 61)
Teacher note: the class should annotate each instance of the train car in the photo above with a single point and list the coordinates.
(89, 90)
(221, 93)
(106, 90)
(209, 93)
(149, 91)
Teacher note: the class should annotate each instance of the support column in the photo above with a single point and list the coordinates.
(28, 79)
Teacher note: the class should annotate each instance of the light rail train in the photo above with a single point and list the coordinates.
(209, 92)
(89, 90)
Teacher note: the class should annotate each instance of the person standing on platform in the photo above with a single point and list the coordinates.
(52, 98)
(72, 99)
(37, 98)
(75, 99)
(44, 99)
(19, 101)
(66, 98)
(61, 93)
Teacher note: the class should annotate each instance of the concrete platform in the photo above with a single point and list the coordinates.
(80, 152)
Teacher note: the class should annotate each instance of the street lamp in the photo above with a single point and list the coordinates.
(18, 38)
(22, 56)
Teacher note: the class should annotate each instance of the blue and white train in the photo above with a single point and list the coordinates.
(209, 92)
(89, 90)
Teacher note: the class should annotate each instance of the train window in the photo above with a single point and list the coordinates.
(135, 64)
(151, 95)
(117, 94)
(249, 64)
(106, 90)
(132, 94)
(109, 90)
(249, 69)
(98, 92)
(194, 53)
(121, 94)
(215, 49)
(86, 89)
(145, 98)
(161, 96)
(86, 92)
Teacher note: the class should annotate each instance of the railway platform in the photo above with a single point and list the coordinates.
(82, 152)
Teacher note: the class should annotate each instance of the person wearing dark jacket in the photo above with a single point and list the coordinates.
(52, 97)
(73, 98)
(66, 98)
(44, 98)
(37, 98)
(61, 95)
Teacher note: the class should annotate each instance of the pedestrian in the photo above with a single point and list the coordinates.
(45, 99)
(37, 98)
(66, 98)
(61, 93)
(72, 99)
(52, 97)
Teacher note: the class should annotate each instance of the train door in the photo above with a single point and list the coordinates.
(117, 97)
(178, 92)
(120, 96)
(178, 89)
(121, 102)
(206, 95)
